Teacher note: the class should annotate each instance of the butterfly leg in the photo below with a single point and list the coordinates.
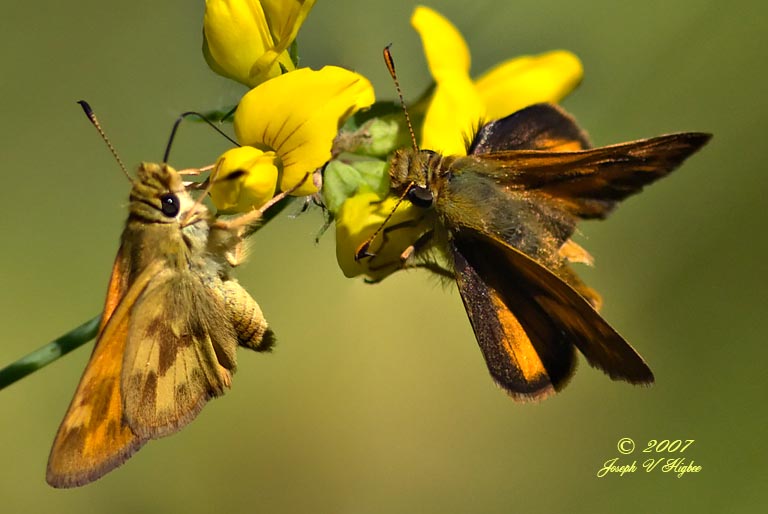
(246, 224)
(417, 246)
(573, 252)
(373, 257)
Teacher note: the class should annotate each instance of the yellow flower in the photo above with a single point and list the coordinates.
(356, 221)
(249, 178)
(297, 116)
(459, 103)
(248, 40)
(454, 111)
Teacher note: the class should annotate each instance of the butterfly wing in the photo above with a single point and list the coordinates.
(180, 352)
(537, 127)
(93, 438)
(526, 320)
(589, 183)
(524, 355)
(541, 150)
(510, 207)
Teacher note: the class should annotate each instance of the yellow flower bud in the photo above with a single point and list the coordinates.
(248, 40)
(245, 178)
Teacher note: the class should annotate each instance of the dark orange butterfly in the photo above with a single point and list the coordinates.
(504, 215)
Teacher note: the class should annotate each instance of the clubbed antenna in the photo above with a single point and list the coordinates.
(362, 250)
(91, 116)
(391, 67)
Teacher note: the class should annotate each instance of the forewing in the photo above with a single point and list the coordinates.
(541, 316)
(93, 438)
(180, 353)
(589, 183)
(538, 127)
(524, 353)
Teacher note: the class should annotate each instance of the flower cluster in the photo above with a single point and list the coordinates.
(294, 122)
(287, 122)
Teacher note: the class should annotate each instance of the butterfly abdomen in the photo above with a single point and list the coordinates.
(246, 317)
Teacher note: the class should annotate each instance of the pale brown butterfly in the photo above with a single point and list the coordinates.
(172, 321)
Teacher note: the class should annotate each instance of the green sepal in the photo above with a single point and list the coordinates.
(223, 115)
(293, 53)
(342, 180)
(383, 137)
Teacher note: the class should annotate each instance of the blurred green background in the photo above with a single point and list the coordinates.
(376, 398)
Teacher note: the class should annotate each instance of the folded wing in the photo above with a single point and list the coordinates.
(527, 320)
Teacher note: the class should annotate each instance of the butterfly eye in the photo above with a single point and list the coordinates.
(169, 204)
(420, 196)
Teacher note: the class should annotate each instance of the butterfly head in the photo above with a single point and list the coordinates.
(159, 196)
(412, 173)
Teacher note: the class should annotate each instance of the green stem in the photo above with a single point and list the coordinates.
(49, 353)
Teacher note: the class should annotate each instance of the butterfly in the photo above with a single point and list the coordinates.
(504, 214)
(172, 320)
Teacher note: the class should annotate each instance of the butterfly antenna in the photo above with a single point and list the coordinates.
(95, 122)
(362, 250)
(390, 62)
(178, 123)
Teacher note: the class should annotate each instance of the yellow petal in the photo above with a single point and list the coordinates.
(455, 109)
(245, 179)
(452, 116)
(444, 47)
(298, 115)
(357, 220)
(284, 18)
(527, 80)
(236, 35)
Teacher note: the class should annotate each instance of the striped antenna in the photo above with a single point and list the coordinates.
(362, 250)
(391, 67)
(95, 122)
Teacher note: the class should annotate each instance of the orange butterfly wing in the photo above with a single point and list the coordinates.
(527, 320)
(93, 437)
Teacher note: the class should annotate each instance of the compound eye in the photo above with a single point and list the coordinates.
(169, 204)
(420, 196)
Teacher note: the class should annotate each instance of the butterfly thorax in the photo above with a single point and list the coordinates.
(419, 174)
(409, 166)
